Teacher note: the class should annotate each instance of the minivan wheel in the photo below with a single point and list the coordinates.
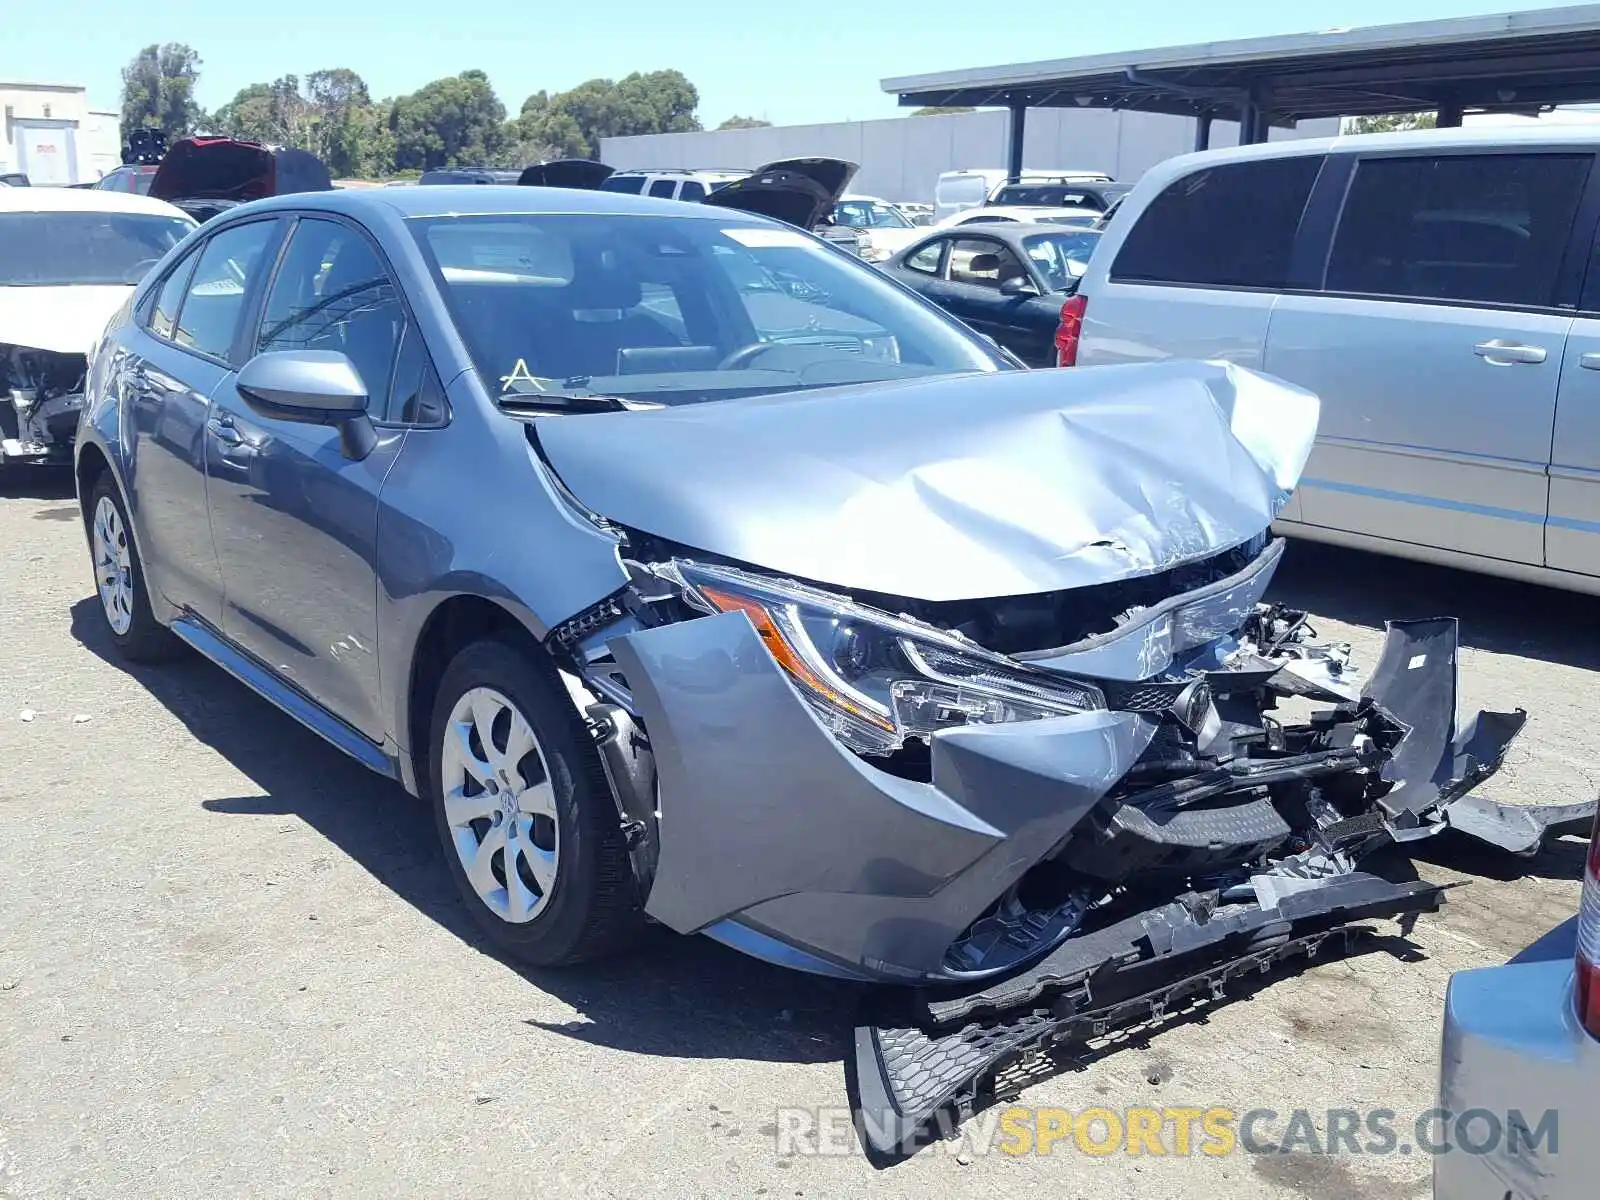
(119, 579)
(530, 830)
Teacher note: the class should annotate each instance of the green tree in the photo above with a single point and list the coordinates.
(744, 123)
(329, 114)
(342, 124)
(158, 90)
(1392, 122)
(936, 110)
(455, 121)
(573, 122)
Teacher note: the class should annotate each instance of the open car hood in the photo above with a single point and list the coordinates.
(231, 169)
(583, 173)
(958, 487)
(798, 191)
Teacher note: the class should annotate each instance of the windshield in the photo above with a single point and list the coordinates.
(1061, 258)
(57, 249)
(675, 310)
(869, 214)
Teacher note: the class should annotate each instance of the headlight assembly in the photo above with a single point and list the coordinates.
(875, 679)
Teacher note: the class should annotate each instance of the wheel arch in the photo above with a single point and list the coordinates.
(454, 623)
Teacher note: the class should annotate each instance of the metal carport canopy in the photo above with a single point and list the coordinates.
(1515, 62)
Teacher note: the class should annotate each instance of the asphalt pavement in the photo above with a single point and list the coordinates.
(232, 963)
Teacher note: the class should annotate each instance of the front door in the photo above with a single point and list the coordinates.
(1436, 348)
(975, 270)
(295, 521)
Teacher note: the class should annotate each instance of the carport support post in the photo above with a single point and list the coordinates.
(1202, 130)
(1247, 121)
(1019, 121)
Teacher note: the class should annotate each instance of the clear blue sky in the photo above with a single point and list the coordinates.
(787, 63)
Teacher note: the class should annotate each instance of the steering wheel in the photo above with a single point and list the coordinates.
(742, 357)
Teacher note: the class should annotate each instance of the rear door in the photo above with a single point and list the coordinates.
(1436, 348)
(295, 521)
(183, 350)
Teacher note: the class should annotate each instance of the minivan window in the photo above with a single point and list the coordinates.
(1485, 228)
(1226, 226)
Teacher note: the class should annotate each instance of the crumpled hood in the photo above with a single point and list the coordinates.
(960, 487)
(68, 320)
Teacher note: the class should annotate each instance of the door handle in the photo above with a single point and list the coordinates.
(1501, 353)
(222, 428)
(1589, 362)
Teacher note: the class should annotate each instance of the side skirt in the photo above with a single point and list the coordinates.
(297, 704)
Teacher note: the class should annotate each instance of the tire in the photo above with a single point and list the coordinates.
(124, 602)
(574, 896)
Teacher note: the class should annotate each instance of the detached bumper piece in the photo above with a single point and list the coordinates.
(927, 1059)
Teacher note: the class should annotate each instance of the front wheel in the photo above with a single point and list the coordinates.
(530, 830)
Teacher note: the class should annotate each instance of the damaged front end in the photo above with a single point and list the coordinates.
(41, 397)
(1038, 815)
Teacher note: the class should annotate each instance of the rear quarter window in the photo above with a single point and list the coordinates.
(1226, 226)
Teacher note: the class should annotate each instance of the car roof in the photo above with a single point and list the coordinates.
(1033, 210)
(492, 200)
(1005, 231)
(1464, 138)
(63, 199)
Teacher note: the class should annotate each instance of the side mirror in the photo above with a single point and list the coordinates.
(312, 387)
(1017, 285)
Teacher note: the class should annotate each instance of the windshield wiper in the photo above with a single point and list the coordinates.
(531, 403)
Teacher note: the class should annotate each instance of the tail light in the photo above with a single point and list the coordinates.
(1069, 330)
(1589, 940)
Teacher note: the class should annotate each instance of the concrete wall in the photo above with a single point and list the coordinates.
(902, 157)
(70, 142)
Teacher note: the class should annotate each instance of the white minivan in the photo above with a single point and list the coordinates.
(1438, 290)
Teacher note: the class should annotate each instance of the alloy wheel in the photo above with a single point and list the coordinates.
(500, 804)
(113, 566)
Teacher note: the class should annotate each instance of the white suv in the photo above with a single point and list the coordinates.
(1438, 290)
(669, 184)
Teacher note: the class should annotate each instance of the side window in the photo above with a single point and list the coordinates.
(663, 188)
(164, 314)
(692, 189)
(926, 260)
(214, 301)
(1227, 226)
(983, 263)
(417, 397)
(1489, 228)
(632, 184)
(332, 293)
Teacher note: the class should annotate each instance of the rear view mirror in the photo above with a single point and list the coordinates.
(1017, 286)
(312, 387)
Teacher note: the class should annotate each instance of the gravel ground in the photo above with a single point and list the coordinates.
(231, 962)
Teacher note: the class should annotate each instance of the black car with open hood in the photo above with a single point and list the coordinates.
(207, 175)
(584, 174)
(797, 191)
